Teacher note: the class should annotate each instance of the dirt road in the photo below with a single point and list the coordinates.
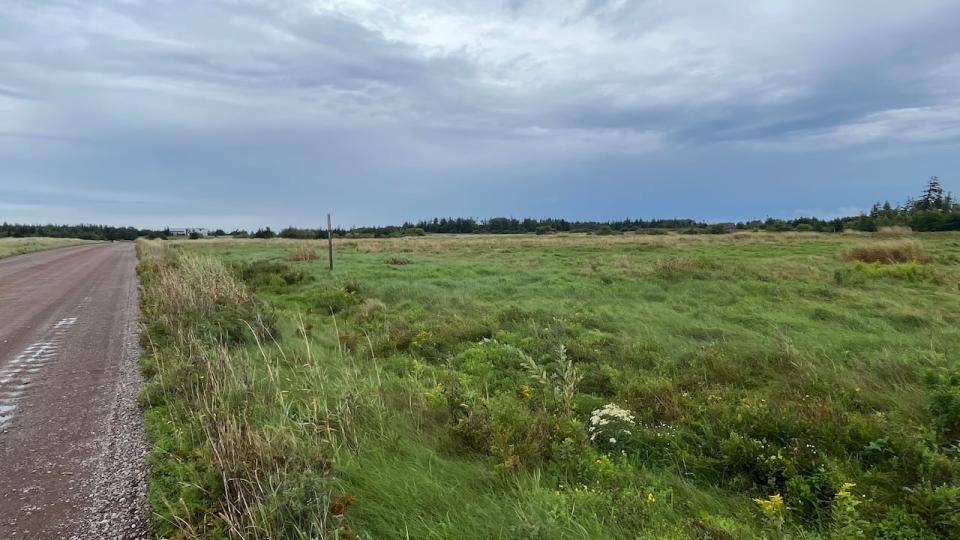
(71, 437)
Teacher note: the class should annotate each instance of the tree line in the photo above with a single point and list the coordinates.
(934, 210)
(83, 232)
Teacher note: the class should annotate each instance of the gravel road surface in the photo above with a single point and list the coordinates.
(71, 433)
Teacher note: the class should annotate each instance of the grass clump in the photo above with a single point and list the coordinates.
(303, 252)
(861, 272)
(263, 273)
(888, 252)
(685, 267)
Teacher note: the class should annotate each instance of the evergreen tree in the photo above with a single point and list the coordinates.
(932, 198)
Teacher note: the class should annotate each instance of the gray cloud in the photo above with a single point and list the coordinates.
(389, 112)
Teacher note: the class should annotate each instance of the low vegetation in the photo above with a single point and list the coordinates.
(748, 385)
(20, 246)
(888, 252)
(303, 252)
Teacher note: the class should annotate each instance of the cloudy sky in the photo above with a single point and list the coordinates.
(226, 113)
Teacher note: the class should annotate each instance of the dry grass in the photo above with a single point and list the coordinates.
(895, 231)
(10, 247)
(440, 244)
(888, 252)
(189, 282)
(148, 250)
(303, 252)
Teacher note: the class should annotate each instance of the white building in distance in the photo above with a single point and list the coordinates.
(186, 231)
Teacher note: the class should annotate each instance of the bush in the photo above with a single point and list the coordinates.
(888, 252)
(335, 299)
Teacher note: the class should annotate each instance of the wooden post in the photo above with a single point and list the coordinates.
(330, 242)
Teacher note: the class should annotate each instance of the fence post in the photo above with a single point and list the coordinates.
(330, 242)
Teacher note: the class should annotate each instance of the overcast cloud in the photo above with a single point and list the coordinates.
(226, 113)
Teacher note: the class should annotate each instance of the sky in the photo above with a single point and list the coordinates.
(245, 113)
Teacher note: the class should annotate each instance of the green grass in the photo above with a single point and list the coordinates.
(419, 390)
(20, 246)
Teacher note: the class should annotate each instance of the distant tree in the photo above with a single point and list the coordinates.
(933, 196)
(301, 234)
(265, 233)
(219, 232)
(194, 235)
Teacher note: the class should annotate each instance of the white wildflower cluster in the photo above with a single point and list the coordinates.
(610, 423)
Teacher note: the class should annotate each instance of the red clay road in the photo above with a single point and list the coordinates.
(71, 441)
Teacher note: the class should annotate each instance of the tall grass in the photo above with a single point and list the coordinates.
(888, 252)
(238, 450)
(303, 252)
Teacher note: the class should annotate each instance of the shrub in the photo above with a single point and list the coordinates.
(335, 299)
(945, 404)
(611, 427)
(938, 507)
(888, 252)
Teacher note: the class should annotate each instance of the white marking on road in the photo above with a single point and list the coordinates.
(6, 414)
(65, 322)
(16, 376)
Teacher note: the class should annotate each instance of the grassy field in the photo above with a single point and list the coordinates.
(749, 385)
(19, 246)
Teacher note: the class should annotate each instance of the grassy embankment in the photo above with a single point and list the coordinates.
(459, 389)
(20, 246)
